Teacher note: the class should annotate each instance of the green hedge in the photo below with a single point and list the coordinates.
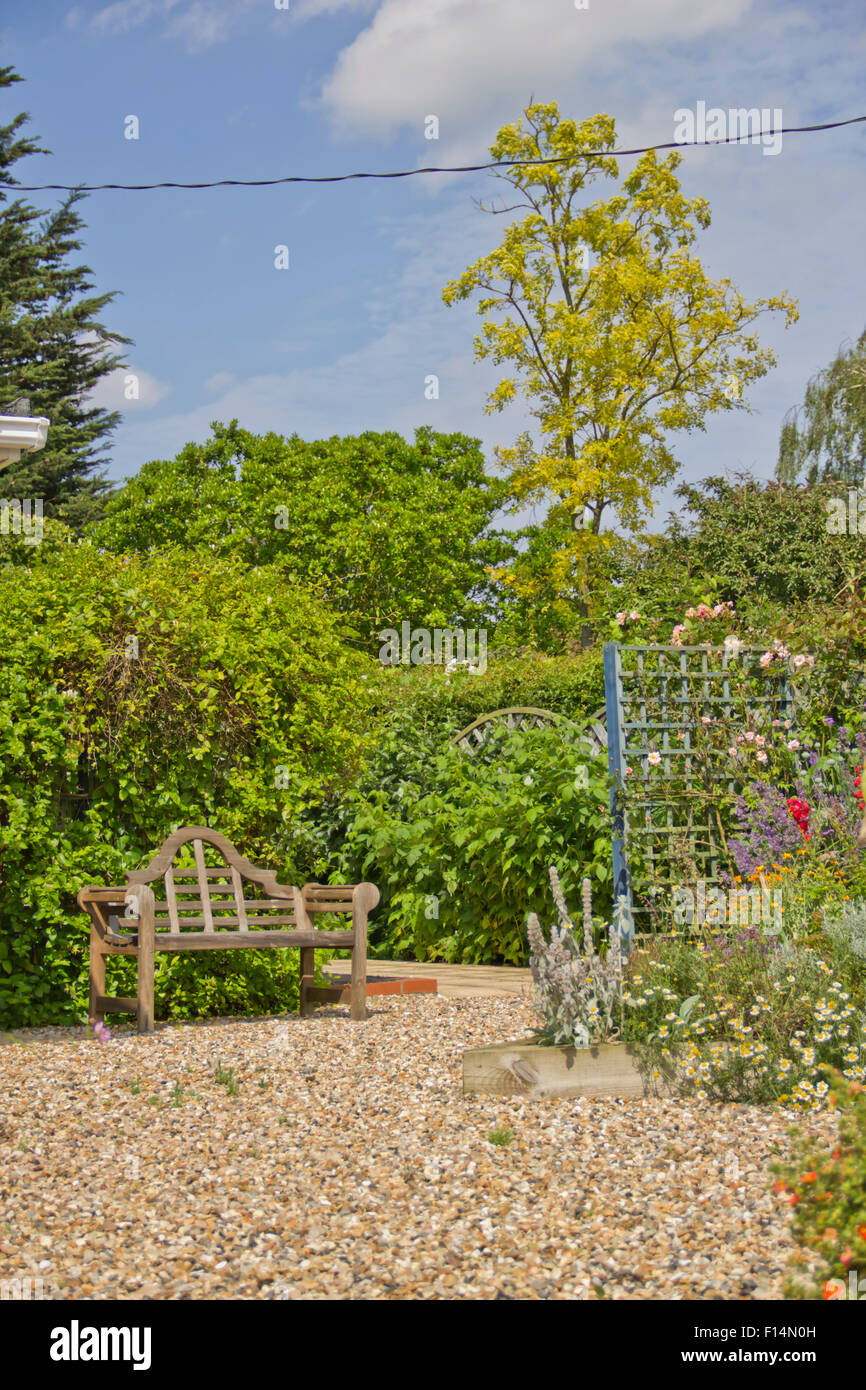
(138, 694)
(433, 702)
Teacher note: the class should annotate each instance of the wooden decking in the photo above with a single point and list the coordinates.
(454, 981)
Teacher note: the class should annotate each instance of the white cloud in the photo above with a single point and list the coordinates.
(203, 25)
(311, 9)
(220, 381)
(129, 14)
(128, 388)
(200, 23)
(460, 59)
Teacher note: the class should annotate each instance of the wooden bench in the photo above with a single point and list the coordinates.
(205, 907)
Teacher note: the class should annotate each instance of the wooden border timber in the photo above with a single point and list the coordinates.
(540, 1073)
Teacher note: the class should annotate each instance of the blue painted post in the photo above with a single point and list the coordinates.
(616, 763)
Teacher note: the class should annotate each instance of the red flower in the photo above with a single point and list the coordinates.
(779, 1186)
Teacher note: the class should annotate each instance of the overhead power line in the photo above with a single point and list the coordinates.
(411, 173)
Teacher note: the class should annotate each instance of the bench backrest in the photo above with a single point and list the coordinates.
(217, 889)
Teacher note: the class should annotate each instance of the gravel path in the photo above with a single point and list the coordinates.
(349, 1165)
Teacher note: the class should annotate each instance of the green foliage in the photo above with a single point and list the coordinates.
(385, 531)
(248, 983)
(827, 1190)
(53, 349)
(500, 1137)
(659, 579)
(826, 436)
(138, 695)
(460, 845)
(430, 702)
(766, 541)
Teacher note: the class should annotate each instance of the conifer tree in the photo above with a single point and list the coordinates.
(53, 349)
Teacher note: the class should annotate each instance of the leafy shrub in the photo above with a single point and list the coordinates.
(458, 844)
(765, 540)
(358, 518)
(827, 1191)
(239, 983)
(238, 701)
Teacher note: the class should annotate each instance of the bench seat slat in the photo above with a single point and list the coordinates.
(228, 941)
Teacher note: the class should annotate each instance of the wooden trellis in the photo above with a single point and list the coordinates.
(657, 698)
(470, 739)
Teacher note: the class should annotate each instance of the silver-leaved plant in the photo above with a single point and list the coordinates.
(579, 992)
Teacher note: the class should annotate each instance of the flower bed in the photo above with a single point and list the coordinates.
(750, 1016)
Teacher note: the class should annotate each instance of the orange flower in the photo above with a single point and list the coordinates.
(861, 1231)
(779, 1186)
(809, 1177)
(793, 1199)
(828, 1290)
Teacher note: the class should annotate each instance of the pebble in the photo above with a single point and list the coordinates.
(349, 1165)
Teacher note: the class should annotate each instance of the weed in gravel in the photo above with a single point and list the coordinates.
(135, 1086)
(500, 1137)
(225, 1076)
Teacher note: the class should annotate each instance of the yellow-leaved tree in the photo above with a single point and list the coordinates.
(613, 333)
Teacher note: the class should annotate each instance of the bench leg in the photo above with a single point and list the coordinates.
(358, 994)
(97, 975)
(308, 970)
(146, 944)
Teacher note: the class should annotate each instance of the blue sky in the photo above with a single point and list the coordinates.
(344, 339)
